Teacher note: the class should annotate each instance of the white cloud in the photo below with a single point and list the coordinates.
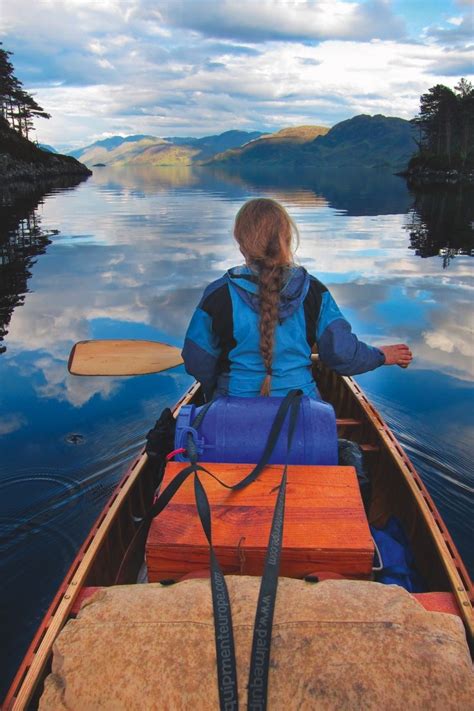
(273, 20)
(183, 67)
(273, 89)
(455, 20)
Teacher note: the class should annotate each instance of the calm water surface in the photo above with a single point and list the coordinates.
(126, 255)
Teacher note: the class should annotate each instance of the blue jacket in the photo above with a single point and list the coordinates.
(221, 348)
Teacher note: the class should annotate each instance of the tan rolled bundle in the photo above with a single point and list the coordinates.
(339, 644)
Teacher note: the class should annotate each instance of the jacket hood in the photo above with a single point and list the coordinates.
(295, 287)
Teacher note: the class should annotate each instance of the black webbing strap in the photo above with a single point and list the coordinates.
(223, 631)
(262, 631)
(225, 650)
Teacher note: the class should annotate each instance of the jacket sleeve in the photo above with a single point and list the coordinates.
(339, 348)
(201, 350)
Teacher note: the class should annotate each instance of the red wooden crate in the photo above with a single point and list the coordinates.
(325, 524)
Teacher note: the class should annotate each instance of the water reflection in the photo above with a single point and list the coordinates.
(21, 241)
(441, 223)
(355, 191)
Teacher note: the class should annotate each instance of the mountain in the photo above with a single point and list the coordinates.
(150, 150)
(369, 141)
(115, 150)
(136, 150)
(48, 149)
(210, 145)
(109, 144)
(362, 141)
(272, 148)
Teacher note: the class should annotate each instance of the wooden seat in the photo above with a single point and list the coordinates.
(325, 525)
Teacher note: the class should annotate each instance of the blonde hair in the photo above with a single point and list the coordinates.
(267, 236)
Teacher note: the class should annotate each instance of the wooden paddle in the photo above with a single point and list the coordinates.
(122, 357)
(125, 357)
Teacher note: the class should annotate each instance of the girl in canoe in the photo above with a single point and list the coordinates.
(255, 328)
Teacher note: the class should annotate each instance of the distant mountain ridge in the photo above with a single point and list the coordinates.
(361, 141)
(152, 150)
(108, 144)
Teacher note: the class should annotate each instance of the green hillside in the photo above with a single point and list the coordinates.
(362, 141)
(282, 146)
(162, 154)
(369, 141)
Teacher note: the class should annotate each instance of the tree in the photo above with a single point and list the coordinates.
(446, 123)
(465, 92)
(17, 106)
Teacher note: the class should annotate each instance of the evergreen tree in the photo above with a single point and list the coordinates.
(446, 123)
(465, 93)
(17, 107)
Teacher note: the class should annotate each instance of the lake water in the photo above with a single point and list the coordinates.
(126, 254)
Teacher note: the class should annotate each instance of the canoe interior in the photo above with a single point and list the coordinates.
(113, 550)
(394, 481)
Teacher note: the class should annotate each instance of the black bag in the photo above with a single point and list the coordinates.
(160, 439)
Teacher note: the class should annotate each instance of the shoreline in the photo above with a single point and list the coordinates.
(429, 177)
(14, 171)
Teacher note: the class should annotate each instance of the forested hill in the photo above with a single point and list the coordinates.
(151, 150)
(362, 141)
(369, 141)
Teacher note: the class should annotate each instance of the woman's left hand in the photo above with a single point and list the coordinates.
(398, 354)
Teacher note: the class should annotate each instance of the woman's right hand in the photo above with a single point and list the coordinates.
(398, 354)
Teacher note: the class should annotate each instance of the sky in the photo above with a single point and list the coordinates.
(201, 67)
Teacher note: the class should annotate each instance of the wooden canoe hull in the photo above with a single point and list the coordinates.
(113, 550)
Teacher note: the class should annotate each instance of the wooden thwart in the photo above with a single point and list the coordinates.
(325, 524)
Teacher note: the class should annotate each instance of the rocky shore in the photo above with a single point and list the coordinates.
(14, 170)
(21, 161)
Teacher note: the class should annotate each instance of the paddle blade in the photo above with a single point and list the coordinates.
(122, 357)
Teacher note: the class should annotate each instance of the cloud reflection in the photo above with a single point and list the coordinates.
(156, 244)
(11, 423)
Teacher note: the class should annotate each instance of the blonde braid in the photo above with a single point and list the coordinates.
(270, 283)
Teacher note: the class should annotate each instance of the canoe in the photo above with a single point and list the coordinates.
(397, 490)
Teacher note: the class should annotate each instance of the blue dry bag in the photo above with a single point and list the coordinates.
(235, 429)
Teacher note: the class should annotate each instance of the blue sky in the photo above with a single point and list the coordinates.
(197, 67)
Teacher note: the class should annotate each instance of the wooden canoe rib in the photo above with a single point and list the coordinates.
(397, 489)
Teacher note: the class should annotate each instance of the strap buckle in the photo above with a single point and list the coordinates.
(183, 441)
